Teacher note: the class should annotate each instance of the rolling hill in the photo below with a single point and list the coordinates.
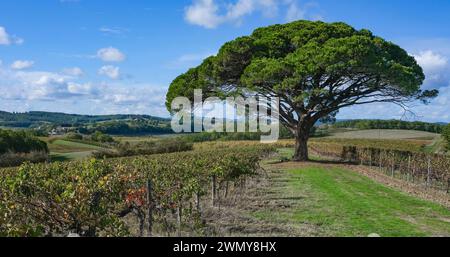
(28, 119)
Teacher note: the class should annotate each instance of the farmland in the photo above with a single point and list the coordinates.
(63, 150)
(386, 134)
(281, 198)
(90, 197)
(404, 140)
(271, 120)
(236, 188)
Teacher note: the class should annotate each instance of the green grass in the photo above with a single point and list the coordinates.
(70, 156)
(437, 146)
(76, 145)
(288, 153)
(62, 150)
(339, 202)
(62, 146)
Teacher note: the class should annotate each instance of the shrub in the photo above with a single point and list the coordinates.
(16, 159)
(74, 136)
(146, 148)
(446, 135)
(390, 124)
(20, 142)
(241, 136)
(100, 137)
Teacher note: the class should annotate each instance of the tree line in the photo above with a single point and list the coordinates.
(133, 127)
(20, 142)
(391, 124)
(28, 119)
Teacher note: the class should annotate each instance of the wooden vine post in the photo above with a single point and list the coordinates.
(409, 167)
(150, 207)
(393, 165)
(448, 186)
(227, 185)
(381, 161)
(361, 158)
(429, 171)
(213, 190)
(198, 202)
(179, 217)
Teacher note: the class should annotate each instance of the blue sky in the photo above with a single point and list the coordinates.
(103, 56)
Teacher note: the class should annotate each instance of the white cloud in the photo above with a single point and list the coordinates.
(112, 30)
(245, 7)
(112, 72)
(436, 111)
(111, 54)
(39, 85)
(206, 13)
(20, 65)
(138, 98)
(6, 39)
(189, 60)
(47, 91)
(23, 85)
(203, 13)
(80, 89)
(18, 40)
(75, 71)
(210, 14)
(436, 68)
(295, 11)
(431, 61)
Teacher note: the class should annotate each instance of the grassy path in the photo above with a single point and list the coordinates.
(62, 150)
(331, 201)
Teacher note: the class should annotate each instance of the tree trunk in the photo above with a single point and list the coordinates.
(301, 145)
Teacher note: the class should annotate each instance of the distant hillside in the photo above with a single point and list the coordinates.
(32, 119)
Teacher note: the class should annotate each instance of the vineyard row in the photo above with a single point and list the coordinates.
(429, 170)
(91, 198)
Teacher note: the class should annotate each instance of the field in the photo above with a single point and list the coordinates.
(70, 156)
(406, 140)
(62, 150)
(398, 139)
(439, 145)
(219, 189)
(137, 139)
(386, 134)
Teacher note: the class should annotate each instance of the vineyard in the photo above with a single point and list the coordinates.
(173, 194)
(92, 198)
(394, 144)
(429, 170)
